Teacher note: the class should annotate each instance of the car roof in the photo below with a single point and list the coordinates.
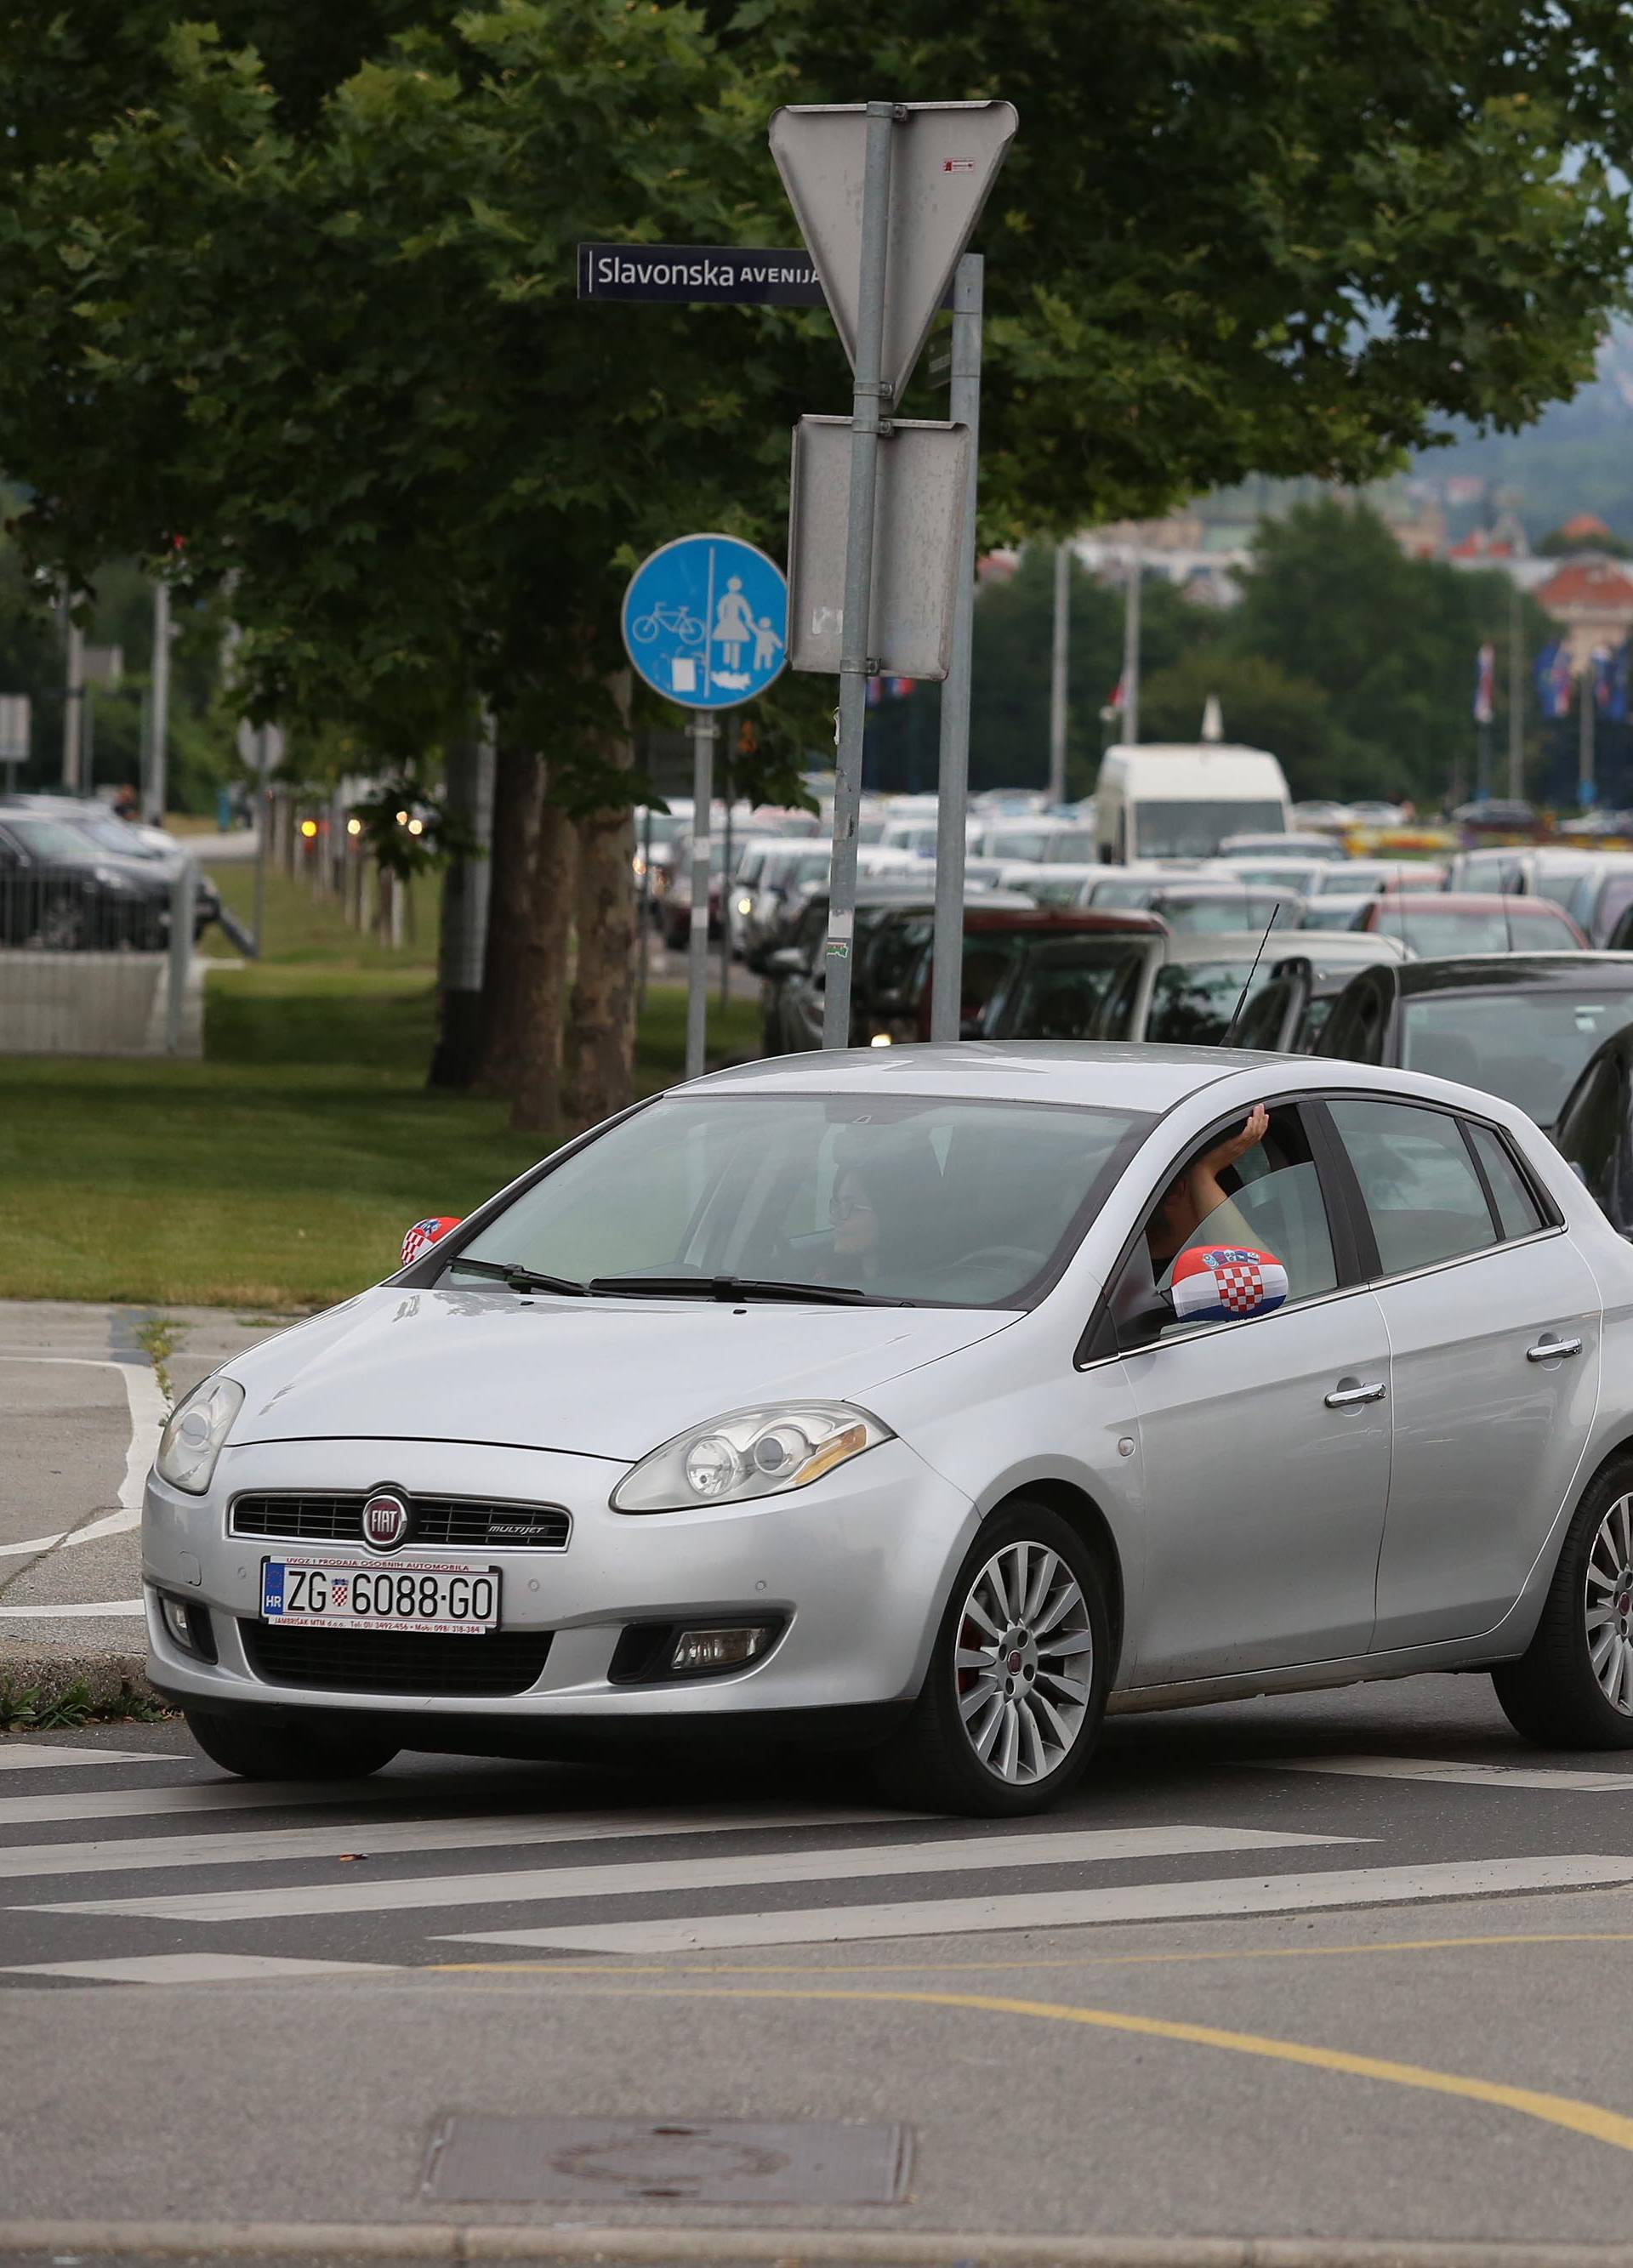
(1062, 921)
(1505, 972)
(1242, 943)
(1123, 1075)
(1472, 902)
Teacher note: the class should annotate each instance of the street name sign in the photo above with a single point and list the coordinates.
(705, 621)
(924, 472)
(729, 274)
(945, 157)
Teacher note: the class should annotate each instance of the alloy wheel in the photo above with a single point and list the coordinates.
(1023, 1662)
(1607, 1604)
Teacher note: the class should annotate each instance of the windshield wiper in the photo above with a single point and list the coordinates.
(739, 1287)
(518, 1278)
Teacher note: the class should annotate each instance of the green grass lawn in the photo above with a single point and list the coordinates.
(280, 1172)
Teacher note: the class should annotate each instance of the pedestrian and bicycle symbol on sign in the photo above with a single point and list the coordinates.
(705, 621)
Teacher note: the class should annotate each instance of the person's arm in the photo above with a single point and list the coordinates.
(1212, 1204)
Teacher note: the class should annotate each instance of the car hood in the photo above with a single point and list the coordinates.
(588, 1377)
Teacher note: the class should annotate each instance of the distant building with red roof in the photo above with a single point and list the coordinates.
(1590, 597)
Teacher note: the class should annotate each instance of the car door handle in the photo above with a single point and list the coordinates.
(1552, 1349)
(1349, 1393)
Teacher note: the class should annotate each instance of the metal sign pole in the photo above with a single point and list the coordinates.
(855, 663)
(1131, 653)
(964, 406)
(1057, 672)
(704, 731)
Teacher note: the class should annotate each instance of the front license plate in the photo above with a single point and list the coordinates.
(330, 1595)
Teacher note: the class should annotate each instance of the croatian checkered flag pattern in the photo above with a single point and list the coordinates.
(424, 1234)
(1217, 1282)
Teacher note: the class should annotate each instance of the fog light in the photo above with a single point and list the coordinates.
(881, 1040)
(719, 1649)
(187, 1626)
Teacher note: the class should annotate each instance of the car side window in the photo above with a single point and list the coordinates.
(1268, 1242)
(1422, 1196)
(1516, 1207)
(1589, 1131)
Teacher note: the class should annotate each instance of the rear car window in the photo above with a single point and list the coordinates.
(1518, 1213)
(1418, 1183)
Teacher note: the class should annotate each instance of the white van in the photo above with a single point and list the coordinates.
(1162, 800)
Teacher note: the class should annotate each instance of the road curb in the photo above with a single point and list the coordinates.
(788, 2248)
(111, 1675)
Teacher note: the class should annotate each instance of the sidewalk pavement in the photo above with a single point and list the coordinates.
(84, 1391)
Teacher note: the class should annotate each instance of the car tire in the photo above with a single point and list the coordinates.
(1559, 1693)
(1002, 1735)
(321, 1747)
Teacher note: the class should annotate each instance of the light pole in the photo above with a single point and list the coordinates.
(1130, 651)
(1059, 660)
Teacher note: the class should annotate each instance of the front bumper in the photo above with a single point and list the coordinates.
(856, 1568)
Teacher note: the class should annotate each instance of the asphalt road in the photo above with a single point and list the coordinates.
(84, 1391)
(1342, 1967)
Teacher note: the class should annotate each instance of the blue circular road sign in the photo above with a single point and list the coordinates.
(706, 620)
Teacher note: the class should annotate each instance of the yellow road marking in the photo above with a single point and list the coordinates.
(1586, 2118)
(570, 1969)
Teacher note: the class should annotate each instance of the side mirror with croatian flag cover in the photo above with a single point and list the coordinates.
(424, 1233)
(1220, 1283)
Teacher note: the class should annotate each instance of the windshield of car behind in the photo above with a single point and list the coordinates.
(1195, 830)
(53, 839)
(1526, 1045)
(1192, 1007)
(945, 1203)
(1435, 936)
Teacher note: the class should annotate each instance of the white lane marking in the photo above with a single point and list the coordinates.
(39, 1756)
(1448, 1775)
(198, 1968)
(148, 1411)
(132, 1609)
(662, 1876)
(1231, 1895)
(242, 1795)
(110, 1523)
(376, 1838)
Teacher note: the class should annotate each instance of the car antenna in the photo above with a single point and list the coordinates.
(1242, 997)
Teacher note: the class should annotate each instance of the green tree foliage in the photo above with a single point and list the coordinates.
(1352, 663)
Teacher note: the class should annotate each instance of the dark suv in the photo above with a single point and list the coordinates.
(61, 892)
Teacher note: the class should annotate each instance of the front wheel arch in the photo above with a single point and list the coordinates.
(1077, 1507)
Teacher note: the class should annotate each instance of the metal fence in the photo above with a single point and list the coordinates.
(88, 968)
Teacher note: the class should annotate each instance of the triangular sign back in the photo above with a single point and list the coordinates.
(945, 159)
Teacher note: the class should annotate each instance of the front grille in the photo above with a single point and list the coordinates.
(396, 1662)
(453, 1522)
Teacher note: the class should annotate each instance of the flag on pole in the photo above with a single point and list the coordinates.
(1485, 684)
(1610, 683)
(1554, 683)
(1115, 705)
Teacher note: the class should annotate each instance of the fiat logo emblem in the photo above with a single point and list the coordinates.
(384, 1521)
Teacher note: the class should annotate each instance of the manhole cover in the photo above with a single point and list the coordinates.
(478, 2159)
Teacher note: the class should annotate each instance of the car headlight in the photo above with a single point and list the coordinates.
(749, 1453)
(192, 1440)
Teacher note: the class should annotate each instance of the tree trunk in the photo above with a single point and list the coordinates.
(518, 799)
(601, 1022)
(465, 890)
(535, 1079)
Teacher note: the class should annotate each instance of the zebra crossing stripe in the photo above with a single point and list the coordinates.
(1134, 1902)
(129, 1854)
(198, 1968)
(1535, 1777)
(41, 1756)
(969, 1854)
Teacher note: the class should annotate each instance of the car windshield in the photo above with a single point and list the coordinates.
(1207, 913)
(1069, 989)
(1195, 830)
(1332, 913)
(658, 826)
(1435, 935)
(52, 838)
(939, 1201)
(1125, 895)
(1192, 1007)
(1526, 1045)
